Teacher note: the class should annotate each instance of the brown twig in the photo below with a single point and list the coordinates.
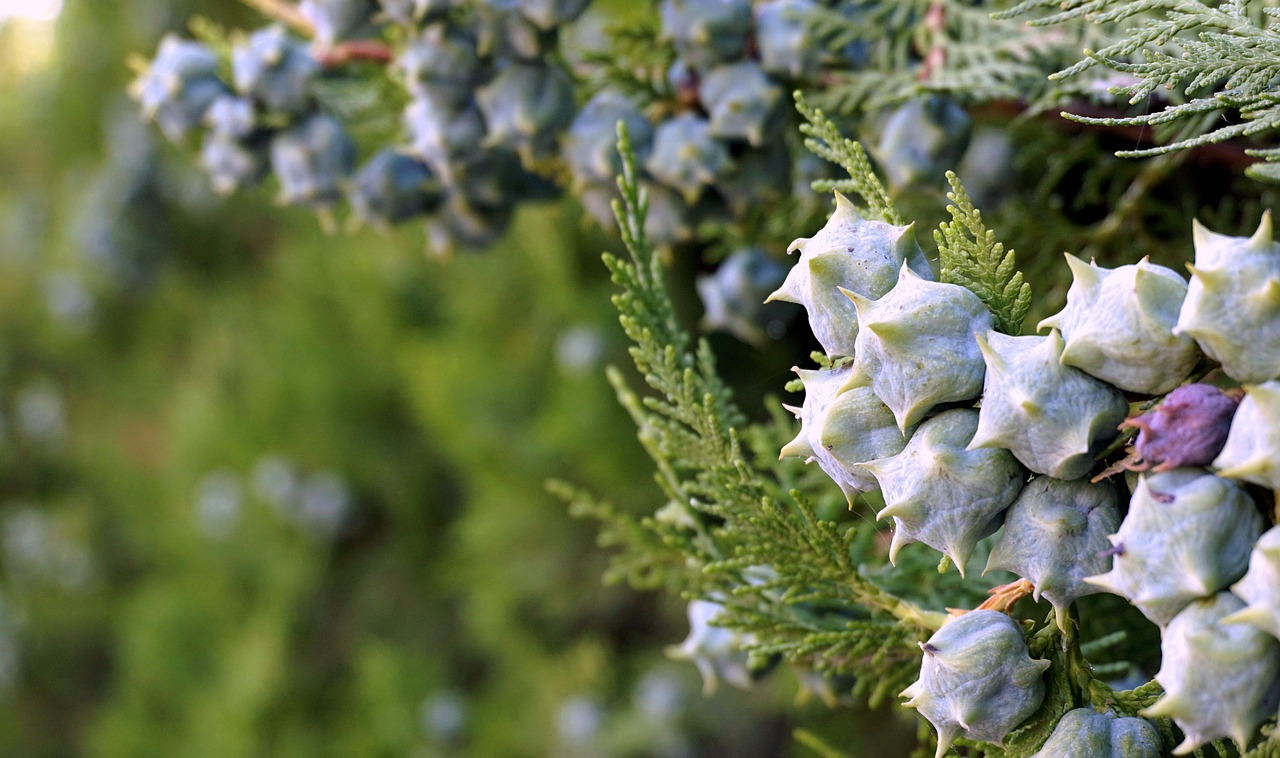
(1003, 597)
(286, 13)
(357, 50)
(935, 21)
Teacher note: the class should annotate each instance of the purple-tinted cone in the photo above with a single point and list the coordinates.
(1188, 429)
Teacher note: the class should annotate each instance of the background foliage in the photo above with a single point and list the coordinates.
(266, 491)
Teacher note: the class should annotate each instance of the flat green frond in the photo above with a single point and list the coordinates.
(727, 513)
(1268, 749)
(971, 257)
(652, 557)
(1264, 172)
(824, 139)
(1220, 57)
(1103, 643)
(954, 47)
(818, 745)
(1129, 702)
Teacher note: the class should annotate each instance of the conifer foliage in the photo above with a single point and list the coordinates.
(939, 434)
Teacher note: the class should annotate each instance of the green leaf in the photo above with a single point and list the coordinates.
(824, 140)
(971, 257)
(1220, 57)
(818, 745)
(1264, 172)
(727, 516)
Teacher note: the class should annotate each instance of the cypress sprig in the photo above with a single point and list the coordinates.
(728, 518)
(955, 47)
(971, 257)
(823, 139)
(1222, 57)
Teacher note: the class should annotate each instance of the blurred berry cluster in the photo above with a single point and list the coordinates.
(485, 105)
(716, 149)
(491, 116)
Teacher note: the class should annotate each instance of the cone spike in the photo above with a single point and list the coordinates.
(1252, 615)
(1210, 277)
(1240, 735)
(1270, 551)
(857, 378)
(888, 330)
(859, 302)
(945, 738)
(1060, 615)
(1261, 239)
(899, 540)
(1251, 467)
(850, 493)
(792, 289)
(1056, 344)
(1144, 279)
(1269, 293)
(910, 415)
(1084, 273)
(844, 205)
(1200, 236)
(1197, 581)
(1052, 322)
(900, 509)
(993, 359)
(1101, 580)
(1070, 353)
(797, 448)
(1169, 705)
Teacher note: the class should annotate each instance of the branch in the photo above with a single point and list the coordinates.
(358, 50)
(286, 13)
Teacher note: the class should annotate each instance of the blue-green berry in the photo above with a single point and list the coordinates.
(275, 69)
(312, 160)
(441, 64)
(784, 41)
(526, 107)
(741, 101)
(706, 32)
(687, 157)
(921, 140)
(393, 187)
(977, 679)
(178, 86)
(591, 144)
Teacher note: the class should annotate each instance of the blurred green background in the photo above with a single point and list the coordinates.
(265, 491)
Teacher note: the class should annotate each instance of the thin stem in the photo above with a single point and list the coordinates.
(900, 608)
(358, 50)
(935, 24)
(285, 12)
